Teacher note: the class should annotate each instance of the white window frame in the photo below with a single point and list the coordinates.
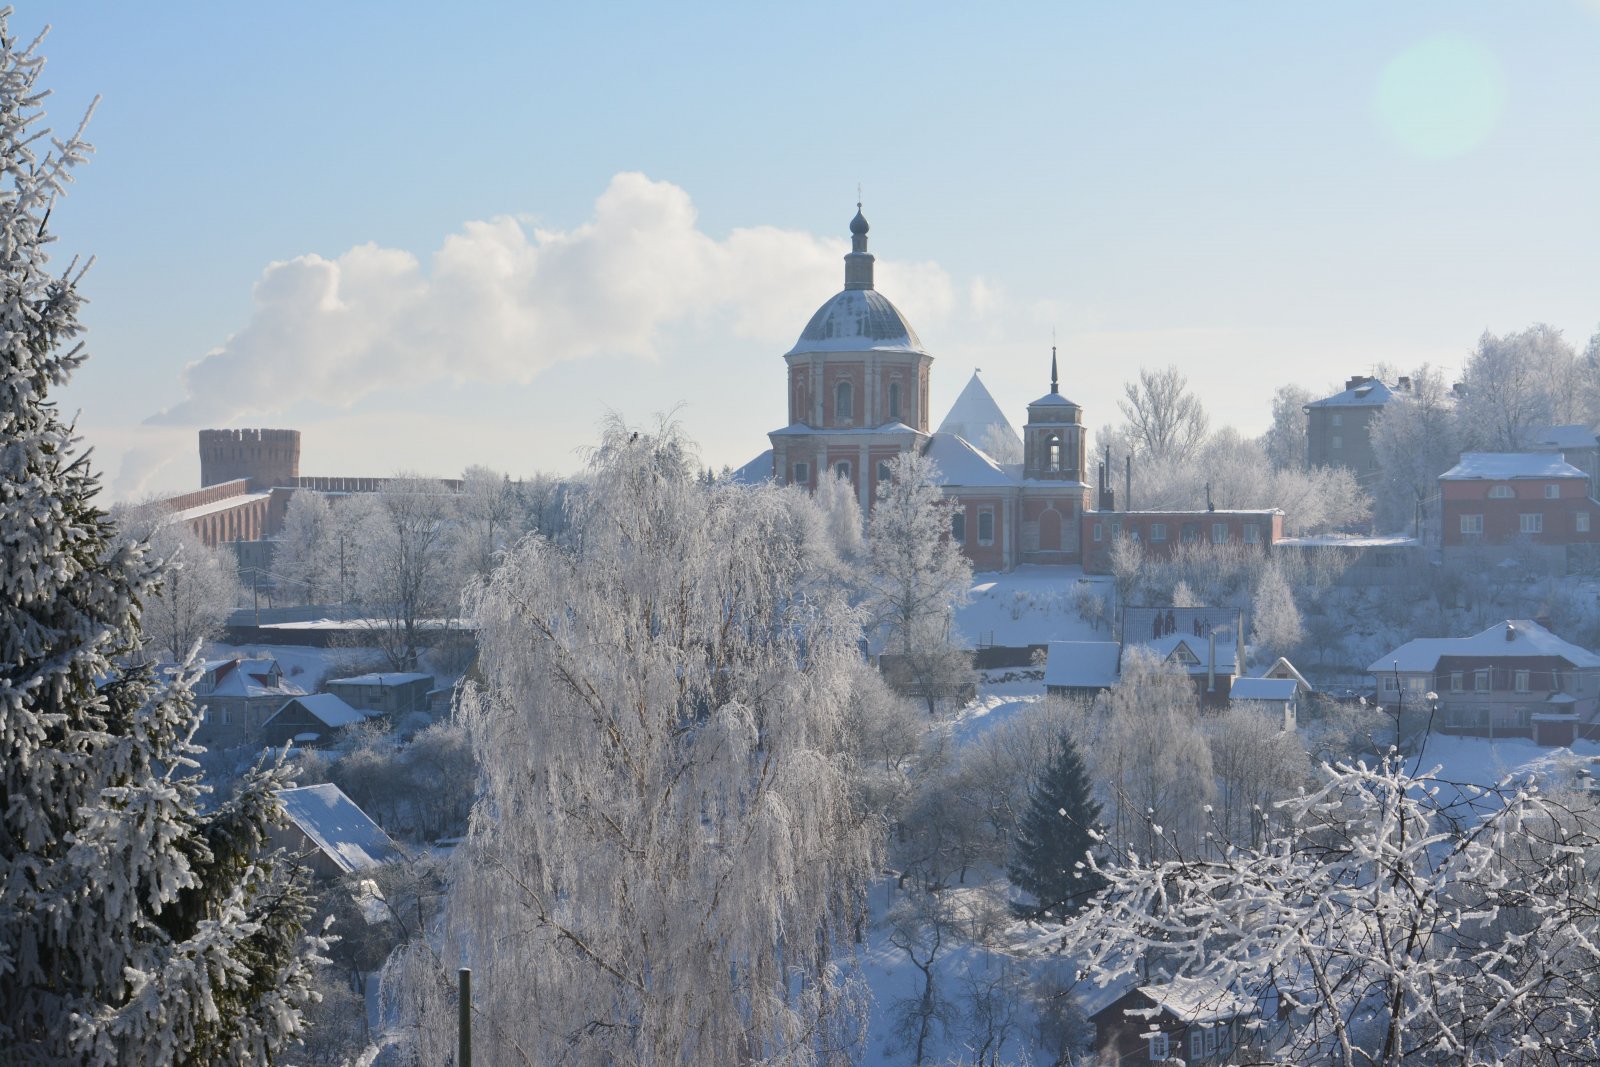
(1522, 680)
(1337, 420)
(1580, 521)
(1336, 442)
(1158, 531)
(1391, 684)
(802, 473)
(1219, 533)
(1531, 522)
(1552, 491)
(1099, 532)
(1457, 682)
(1502, 492)
(1160, 1046)
(1481, 681)
(1252, 533)
(1472, 525)
(986, 513)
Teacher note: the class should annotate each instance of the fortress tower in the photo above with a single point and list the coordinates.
(268, 458)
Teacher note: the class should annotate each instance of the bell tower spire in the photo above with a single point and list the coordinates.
(858, 264)
(1054, 383)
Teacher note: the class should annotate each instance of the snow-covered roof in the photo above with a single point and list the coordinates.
(247, 678)
(1527, 639)
(1575, 435)
(962, 463)
(215, 506)
(1052, 400)
(1369, 394)
(974, 412)
(858, 320)
(1501, 466)
(1196, 1000)
(1347, 541)
(1082, 664)
(757, 472)
(1277, 690)
(800, 429)
(333, 822)
(327, 708)
(1166, 647)
(384, 679)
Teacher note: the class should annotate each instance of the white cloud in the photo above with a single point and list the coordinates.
(504, 302)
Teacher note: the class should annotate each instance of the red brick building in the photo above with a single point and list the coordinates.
(1536, 499)
(858, 383)
(1159, 534)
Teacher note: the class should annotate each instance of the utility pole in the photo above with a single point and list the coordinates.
(464, 1020)
(341, 577)
(255, 592)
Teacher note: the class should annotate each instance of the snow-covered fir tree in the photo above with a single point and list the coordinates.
(134, 929)
(666, 858)
(1055, 835)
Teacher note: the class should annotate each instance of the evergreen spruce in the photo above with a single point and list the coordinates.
(134, 928)
(1055, 835)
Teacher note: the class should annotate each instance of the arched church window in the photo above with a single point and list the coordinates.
(1053, 452)
(843, 400)
(894, 400)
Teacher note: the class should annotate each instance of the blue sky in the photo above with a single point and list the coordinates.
(492, 224)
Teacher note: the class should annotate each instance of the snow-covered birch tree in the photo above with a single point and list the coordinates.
(403, 581)
(665, 862)
(135, 928)
(1396, 917)
(916, 576)
(199, 585)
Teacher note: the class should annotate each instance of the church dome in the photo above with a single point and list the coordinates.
(858, 320)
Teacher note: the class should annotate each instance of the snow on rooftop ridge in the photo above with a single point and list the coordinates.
(962, 463)
(1082, 664)
(1475, 466)
(1196, 1000)
(1263, 689)
(974, 411)
(1527, 638)
(1571, 435)
(1369, 394)
(340, 829)
(757, 472)
(387, 678)
(328, 708)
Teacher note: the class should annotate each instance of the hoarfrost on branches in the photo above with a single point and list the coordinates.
(1396, 918)
(665, 860)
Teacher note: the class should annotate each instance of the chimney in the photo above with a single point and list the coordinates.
(1211, 661)
(1404, 385)
(1357, 379)
(1511, 632)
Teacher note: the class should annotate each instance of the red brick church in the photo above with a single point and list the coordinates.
(858, 395)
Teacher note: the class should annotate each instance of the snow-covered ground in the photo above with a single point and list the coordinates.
(1030, 606)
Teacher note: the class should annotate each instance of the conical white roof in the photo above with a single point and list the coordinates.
(974, 412)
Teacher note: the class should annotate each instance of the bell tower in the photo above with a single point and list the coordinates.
(1054, 442)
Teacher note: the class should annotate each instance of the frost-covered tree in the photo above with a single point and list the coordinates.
(1151, 758)
(1517, 384)
(1275, 626)
(1416, 437)
(199, 586)
(836, 498)
(309, 550)
(915, 577)
(136, 924)
(1285, 440)
(403, 581)
(1397, 918)
(486, 521)
(1257, 763)
(1164, 419)
(665, 858)
(1059, 828)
